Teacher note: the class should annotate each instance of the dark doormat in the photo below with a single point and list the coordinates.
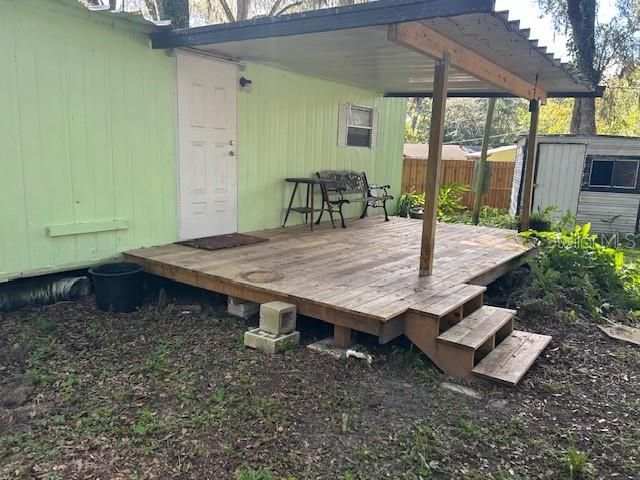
(219, 242)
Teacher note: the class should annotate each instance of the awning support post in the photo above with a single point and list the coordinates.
(532, 144)
(432, 181)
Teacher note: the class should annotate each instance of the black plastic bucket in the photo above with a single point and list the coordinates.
(118, 286)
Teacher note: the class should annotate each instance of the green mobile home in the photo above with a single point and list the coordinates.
(110, 145)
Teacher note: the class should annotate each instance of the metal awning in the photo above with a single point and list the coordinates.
(355, 45)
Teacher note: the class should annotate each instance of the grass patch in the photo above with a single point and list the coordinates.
(575, 463)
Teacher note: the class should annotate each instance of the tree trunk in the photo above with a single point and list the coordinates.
(582, 17)
(583, 120)
(175, 10)
(242, 12)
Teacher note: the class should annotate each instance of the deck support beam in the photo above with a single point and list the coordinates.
(530, 165)
(434, 162)
(341, 336)
(422, 39)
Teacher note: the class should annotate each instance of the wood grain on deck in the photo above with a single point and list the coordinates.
(367, 271)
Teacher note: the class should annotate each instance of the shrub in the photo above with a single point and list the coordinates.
(572, 271)
(498, 218)
(409, 202)
(450, 200)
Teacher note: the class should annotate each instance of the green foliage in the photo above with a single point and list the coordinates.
(465, 121)
(575, 463)
(148, 424)
(543, 215)
(450, 200)
(408, 202)
(498, 218)
(251, 474)
(573, 272)
(618, 112)
(489, 217)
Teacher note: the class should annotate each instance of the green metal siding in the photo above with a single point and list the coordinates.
(87, 128)
(288, 126)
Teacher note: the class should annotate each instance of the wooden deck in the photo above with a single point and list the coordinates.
(364, 277)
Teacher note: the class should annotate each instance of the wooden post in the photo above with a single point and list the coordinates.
(341, 336)
(436, 137)
(482, 165)
(532, 144)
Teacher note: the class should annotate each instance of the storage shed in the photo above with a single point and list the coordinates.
(595, 177)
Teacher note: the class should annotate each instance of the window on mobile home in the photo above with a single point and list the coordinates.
(358, 126)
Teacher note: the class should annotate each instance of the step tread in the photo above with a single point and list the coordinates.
(510, 360)
(474, 330)
(449, 303)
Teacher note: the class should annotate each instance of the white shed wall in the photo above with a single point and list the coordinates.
(608, 212)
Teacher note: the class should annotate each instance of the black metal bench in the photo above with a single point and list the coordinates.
(346, 187)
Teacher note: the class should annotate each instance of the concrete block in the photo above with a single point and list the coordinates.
(277, 317)
(269, 343)
(236, 301)
(243, 310)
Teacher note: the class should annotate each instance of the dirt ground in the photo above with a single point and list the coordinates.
(171, 392)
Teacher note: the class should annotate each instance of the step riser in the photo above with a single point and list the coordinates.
(467, 308)
(454, 361)
(505, 331)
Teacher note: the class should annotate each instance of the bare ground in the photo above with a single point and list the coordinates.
(172, 393)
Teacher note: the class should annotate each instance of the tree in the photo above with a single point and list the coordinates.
(465, 120)
(175, 10)
(618, 112)
(596, 47)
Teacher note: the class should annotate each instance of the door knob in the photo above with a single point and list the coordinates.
(232, 153)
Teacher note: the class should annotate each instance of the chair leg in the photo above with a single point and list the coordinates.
(364, 212)
(384, 207)
(342, 217)
(317, 222)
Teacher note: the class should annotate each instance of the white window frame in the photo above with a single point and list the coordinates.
(344, 123)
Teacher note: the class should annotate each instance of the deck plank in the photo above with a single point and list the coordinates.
(509, 362)
(367, 271)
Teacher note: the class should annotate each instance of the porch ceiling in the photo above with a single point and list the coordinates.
(351, 45)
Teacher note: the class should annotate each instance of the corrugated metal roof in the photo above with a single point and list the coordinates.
(350, 45)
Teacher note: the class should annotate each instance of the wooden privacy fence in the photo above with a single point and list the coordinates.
(461, 171)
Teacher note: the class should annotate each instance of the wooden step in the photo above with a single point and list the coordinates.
(475, 330)
(457, 299)
(510, 360)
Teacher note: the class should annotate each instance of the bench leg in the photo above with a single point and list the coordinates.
(320, 216)
(384, 207)
(364, 212)
(342, 217)
(333, 224)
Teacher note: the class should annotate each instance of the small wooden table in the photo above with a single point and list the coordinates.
(309, 208)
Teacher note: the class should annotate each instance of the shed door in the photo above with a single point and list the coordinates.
(558, 177)
(207, 139)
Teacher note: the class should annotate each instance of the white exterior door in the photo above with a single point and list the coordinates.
(206, 146)
(559, 177)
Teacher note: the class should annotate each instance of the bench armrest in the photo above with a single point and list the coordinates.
(384, 188)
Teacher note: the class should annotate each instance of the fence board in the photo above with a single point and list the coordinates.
(461, 171)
